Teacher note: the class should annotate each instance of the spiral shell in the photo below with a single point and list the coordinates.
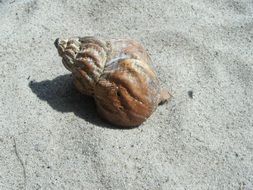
(117, 73)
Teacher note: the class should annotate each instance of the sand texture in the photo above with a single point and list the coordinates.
(52, 138)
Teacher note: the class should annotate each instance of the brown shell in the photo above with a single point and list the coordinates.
(117, 73)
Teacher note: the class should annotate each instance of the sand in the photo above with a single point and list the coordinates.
(52, 138)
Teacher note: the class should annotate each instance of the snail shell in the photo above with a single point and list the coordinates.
(117, 73)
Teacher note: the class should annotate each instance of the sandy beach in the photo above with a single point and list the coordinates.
(51, 136)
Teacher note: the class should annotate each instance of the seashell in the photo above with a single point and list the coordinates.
(118, 73)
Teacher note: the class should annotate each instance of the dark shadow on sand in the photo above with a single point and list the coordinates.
(62, 96)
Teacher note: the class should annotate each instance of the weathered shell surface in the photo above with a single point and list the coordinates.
(118, 73)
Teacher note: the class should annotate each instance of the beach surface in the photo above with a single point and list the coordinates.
(52, 138)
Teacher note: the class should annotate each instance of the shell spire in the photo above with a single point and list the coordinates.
(85, 58)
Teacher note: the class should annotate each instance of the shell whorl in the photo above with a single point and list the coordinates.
(85, 58)
(128, 91)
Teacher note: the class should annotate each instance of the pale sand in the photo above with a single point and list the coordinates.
(203, 142)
